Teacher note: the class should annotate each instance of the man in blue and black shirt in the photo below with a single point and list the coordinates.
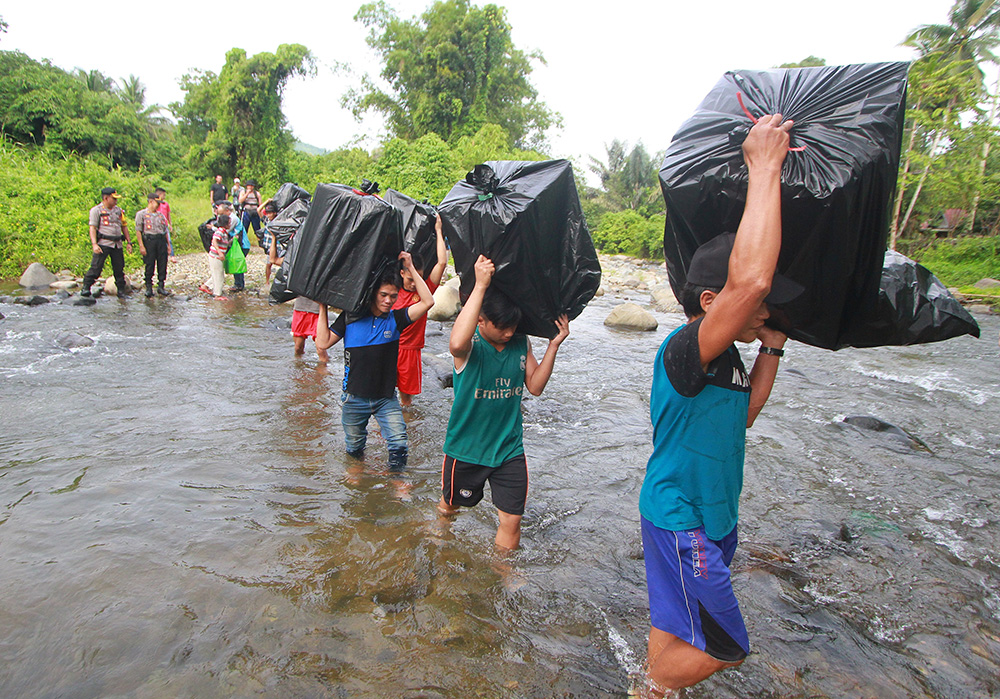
(702, 402)
(371, 352)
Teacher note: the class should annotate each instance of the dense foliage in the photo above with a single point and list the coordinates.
(233, 121)
(450, 73)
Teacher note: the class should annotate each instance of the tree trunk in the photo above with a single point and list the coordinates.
(971, 221)
(898, 205)
(923, 178)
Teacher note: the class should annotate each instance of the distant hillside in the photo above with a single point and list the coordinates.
(311, 150)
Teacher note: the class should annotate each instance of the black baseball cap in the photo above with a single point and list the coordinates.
(110, 191)
(710, 267)
(151, 196)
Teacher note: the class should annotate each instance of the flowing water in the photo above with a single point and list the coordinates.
(178, 519)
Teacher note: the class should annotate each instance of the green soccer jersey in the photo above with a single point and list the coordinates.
(485, 424)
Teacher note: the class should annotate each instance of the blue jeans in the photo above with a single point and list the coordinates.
(355, 413)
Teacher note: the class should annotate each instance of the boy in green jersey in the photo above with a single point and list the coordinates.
(484, 438)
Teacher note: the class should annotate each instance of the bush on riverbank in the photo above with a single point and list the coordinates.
(962, 261)
(46, 196)
(631, 233)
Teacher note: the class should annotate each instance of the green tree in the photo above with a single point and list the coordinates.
(234, 121)
(628, 180)
(947, 81)
(807, 62)
(451, 72)
(95, 80)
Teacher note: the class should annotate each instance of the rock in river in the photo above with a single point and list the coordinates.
(632, 317)
(73, 340)
(37, 276)
(447, 304)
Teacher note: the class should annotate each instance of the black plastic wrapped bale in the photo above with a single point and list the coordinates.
(287, 193)
(205, 233)
(913, 307)
(419, 221)
(287, 223)
(836, 194)
(343, 245)
(526, 218)
(279, 292)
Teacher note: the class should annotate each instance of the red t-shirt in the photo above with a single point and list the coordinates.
(165, 210)
(412, 336)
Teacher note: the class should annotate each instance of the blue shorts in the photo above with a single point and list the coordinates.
(690, 591)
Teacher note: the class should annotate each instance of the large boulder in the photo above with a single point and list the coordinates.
(36, 276)
(31, 300)
(987, 283)
(663, 299)
(631, 316)
(447, 304)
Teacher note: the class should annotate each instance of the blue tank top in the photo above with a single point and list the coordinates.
(695, 474)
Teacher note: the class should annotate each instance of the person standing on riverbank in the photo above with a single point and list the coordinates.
(371, 347)
(107, 231)
(216, 193)
(217, 257)
(484, 441)
(411, 340)
(249, 201)
(701, 404)
(151, 230)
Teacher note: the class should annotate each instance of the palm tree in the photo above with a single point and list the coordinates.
(95, 80)
(952, 50)
(133, 92)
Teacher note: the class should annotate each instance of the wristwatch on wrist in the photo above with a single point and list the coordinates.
(773, 351)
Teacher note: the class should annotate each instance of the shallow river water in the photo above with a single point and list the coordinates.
(178, 519)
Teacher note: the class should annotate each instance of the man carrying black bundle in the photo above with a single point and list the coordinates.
(107, 231)
(701, 403)
(371, 350)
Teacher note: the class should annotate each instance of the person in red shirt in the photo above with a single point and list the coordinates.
(409, 373)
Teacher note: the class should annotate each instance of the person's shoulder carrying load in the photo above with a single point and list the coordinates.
(419, 226)
(837, 188)
(348, 239)
(526, 218)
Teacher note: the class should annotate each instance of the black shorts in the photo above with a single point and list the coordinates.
(462, 483)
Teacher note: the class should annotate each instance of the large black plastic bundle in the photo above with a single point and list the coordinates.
(287, 193)
(419, 221)
(343, 245)
(205, 233)
(836, 194)
(525, 217)
(913, 307)
(288, 221)
(279, 292)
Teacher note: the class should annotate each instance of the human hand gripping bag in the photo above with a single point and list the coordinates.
(346, 241)
(526, 218)
(837, 189)
(419, 226)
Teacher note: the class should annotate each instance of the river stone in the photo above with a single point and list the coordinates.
(84, 301)
(111, 288)
(984, 283)
(36, 276)
(632, 282)
(73, 340)
(447, 304)
(64, 284)
(2, 316)
(631, 316)
(31, 300)
(663, 299)
(6, 299)
(62, 294)
(600, 291)
(440, 368)
(980, 308)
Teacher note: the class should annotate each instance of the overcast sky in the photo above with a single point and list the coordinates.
(632, 71)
